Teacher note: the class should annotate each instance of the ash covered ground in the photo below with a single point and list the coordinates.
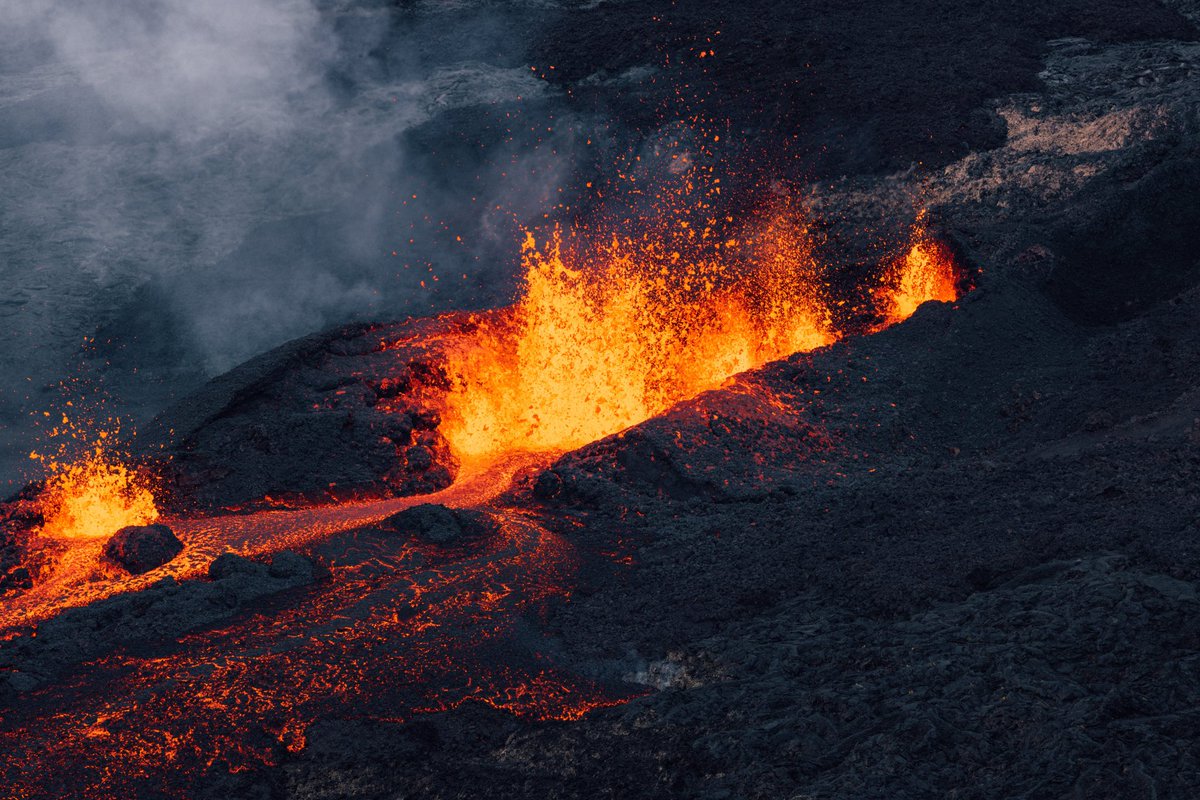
(955, 558)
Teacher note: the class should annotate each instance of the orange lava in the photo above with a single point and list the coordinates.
(927, 272)
(611, 330)
(95, 497)
(93, 493)
(79, 578)
(397, 629)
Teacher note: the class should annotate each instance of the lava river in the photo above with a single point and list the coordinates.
(72, 584)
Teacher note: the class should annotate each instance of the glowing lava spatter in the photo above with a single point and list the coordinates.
(90, 491)
(610, 330)
(926, 272)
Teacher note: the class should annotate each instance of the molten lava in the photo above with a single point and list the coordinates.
(927, 272)
(95, 494)
(611, 330)
(398, 628)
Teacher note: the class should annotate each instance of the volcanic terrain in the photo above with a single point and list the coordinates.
(836, 435)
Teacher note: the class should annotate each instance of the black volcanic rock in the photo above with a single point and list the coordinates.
(437, 524)
(285, 566)
(141, 548)
(847, 87)
(1138, 246)
(231, 565)
(20, 516)
(16, 578)
(705, 448)
(345, 413)
(165, 610)
(419, 457)
(289, 565)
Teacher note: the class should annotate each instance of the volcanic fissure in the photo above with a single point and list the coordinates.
(609, 329)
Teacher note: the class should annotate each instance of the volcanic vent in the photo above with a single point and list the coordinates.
(615, 320)
(609, 329)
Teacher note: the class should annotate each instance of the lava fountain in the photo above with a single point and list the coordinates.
(926, 272)
(94, 493)
(611, 329)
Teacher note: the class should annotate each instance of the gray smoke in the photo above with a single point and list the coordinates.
(194, 70)
(200, 181)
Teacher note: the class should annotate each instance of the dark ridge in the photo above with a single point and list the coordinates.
(850, 87)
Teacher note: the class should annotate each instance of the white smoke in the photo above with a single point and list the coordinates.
(243, 167)
(195, 68)
(177, 129)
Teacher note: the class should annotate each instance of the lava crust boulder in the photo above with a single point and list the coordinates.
(141, 548)
(231, 565)
(343, 414)
(437, 524)
(284, 566)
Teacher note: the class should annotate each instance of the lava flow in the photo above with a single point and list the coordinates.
(398, 627)
(609, 330)
(80, 576)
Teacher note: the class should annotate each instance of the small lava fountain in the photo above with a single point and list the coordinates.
(95, 493)
(95, 497)
(926, 272)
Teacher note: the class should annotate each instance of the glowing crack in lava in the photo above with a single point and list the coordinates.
(398, 628)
